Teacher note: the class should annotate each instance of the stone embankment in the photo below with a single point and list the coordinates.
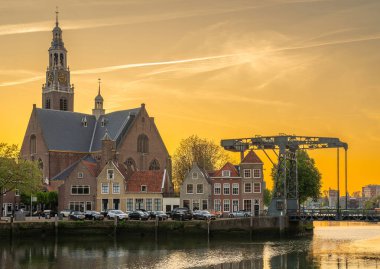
(256, 227)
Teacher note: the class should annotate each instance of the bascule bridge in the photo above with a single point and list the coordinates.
(285, 147)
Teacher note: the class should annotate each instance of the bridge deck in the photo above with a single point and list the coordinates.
(335, 215)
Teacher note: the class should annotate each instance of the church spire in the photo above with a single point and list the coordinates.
(56, 17)
(58, 93)
(98, 109)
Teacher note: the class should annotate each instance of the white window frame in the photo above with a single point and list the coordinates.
(142, 188)
(108, 188)
(256, 170)
(218, 186)
(80, 186)
(234, 187)
(235, 200)
(188, 189)
(226, 173)
(217, 204)
(17, 192)
(246, 183)
(254, 187)
(225, 203)
(229, 188)
(247, 171)
(194, 175)
(80, 175)
(129, 204)
(108, 174)
(113, 187)
(202, 188)
(195, 201)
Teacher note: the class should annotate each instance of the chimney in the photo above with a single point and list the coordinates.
(108, 149)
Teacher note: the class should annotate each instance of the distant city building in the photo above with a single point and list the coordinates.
(370, 191)
(333, 196)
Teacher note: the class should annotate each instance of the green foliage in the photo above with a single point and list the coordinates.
(372, 203)
(309, 177)
(267, 197)
(16, 173)
(205, 153)
(47, 199)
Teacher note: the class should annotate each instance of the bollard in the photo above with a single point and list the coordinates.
(115, 220)
(156, 229)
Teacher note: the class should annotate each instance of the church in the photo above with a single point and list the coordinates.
(63, 140)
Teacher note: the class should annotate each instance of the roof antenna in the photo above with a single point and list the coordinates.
(56, 16)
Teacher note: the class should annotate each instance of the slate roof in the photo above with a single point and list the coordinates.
(251, 157)
(65, 131)
(152, 179)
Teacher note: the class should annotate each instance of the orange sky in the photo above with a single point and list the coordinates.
(305, 67)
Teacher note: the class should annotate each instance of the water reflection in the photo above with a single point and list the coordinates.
(331, 247)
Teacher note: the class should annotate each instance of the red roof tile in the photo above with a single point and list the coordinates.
(152, 179)
(228, 166)
(92, 167)
(251, 157)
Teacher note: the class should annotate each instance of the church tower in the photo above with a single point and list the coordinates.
(57, 93)
(98, 108)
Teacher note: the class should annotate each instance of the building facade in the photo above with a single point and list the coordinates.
(63, 140)
(195, 192)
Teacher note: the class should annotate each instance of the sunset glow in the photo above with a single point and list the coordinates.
(219, 69)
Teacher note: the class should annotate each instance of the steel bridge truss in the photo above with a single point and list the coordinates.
(285, 198)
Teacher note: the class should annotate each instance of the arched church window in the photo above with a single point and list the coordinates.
(40, 164)
(130, 163)
(47, 103)
(33, 146)
(142, 144)
(61, 59)
(63, 104)
(55, 58)
(154, 165)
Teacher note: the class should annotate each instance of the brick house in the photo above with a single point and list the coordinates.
(195, 190)
(77, 187)
(60, 139)
(252, 183)
(226, 190)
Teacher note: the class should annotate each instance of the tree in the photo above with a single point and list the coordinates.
(309, 177)
(16, 173)
(205, 153)
(372, 203)
(267, 197)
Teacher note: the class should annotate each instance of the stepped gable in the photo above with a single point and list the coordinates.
(251, 157)
(152, 179)
(228, 166)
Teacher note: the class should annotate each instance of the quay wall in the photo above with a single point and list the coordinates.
(257, 227)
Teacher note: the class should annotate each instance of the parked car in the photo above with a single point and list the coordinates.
(93, 215)
(116, 214)
(218, 214)
(240, 214)
(66, 212)
(76, 215)
(138, 215)
(160, 214)
(203, 215)
(48, 213)
(181, 213)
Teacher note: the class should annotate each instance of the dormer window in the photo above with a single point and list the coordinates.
(103, 122)
(110, 174)
(195, 175)
(143, 188)
(226, 173)
(84, 122)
